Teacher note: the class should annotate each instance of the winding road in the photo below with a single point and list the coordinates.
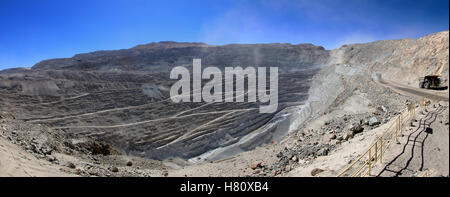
(415, 92)
(423, 150)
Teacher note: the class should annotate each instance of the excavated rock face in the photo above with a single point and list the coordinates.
(350, 66)
(403, 61)
(162, 57)
(122, 97)
(41, 141)
(346, 87)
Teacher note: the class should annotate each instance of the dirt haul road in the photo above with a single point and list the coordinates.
(423, 148)
(415, 92)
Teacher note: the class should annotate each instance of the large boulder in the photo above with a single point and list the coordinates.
(348, 135)
(356, 128)
(316, 171)
(323, 152)
(373, 121)
(257, 164)
(332, 136)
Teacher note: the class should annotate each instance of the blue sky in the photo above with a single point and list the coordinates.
(34, 30)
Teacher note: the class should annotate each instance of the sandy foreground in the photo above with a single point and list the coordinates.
(14, 161)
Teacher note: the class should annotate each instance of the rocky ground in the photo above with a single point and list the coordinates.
(92, 134)
(348, 109)
(360, 117)
(69, 154)
(345, 121)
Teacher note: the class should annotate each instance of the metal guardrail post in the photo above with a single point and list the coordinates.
(370, 161)
(394, 129)
(381, 150)
(376, 151)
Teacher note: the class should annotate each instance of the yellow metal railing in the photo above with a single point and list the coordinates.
(363, 165)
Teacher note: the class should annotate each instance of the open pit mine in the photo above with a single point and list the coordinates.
(118, 103)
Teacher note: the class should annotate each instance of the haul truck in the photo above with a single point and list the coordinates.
(430, 82)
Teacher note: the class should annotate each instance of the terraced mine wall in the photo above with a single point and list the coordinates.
(122, 96)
